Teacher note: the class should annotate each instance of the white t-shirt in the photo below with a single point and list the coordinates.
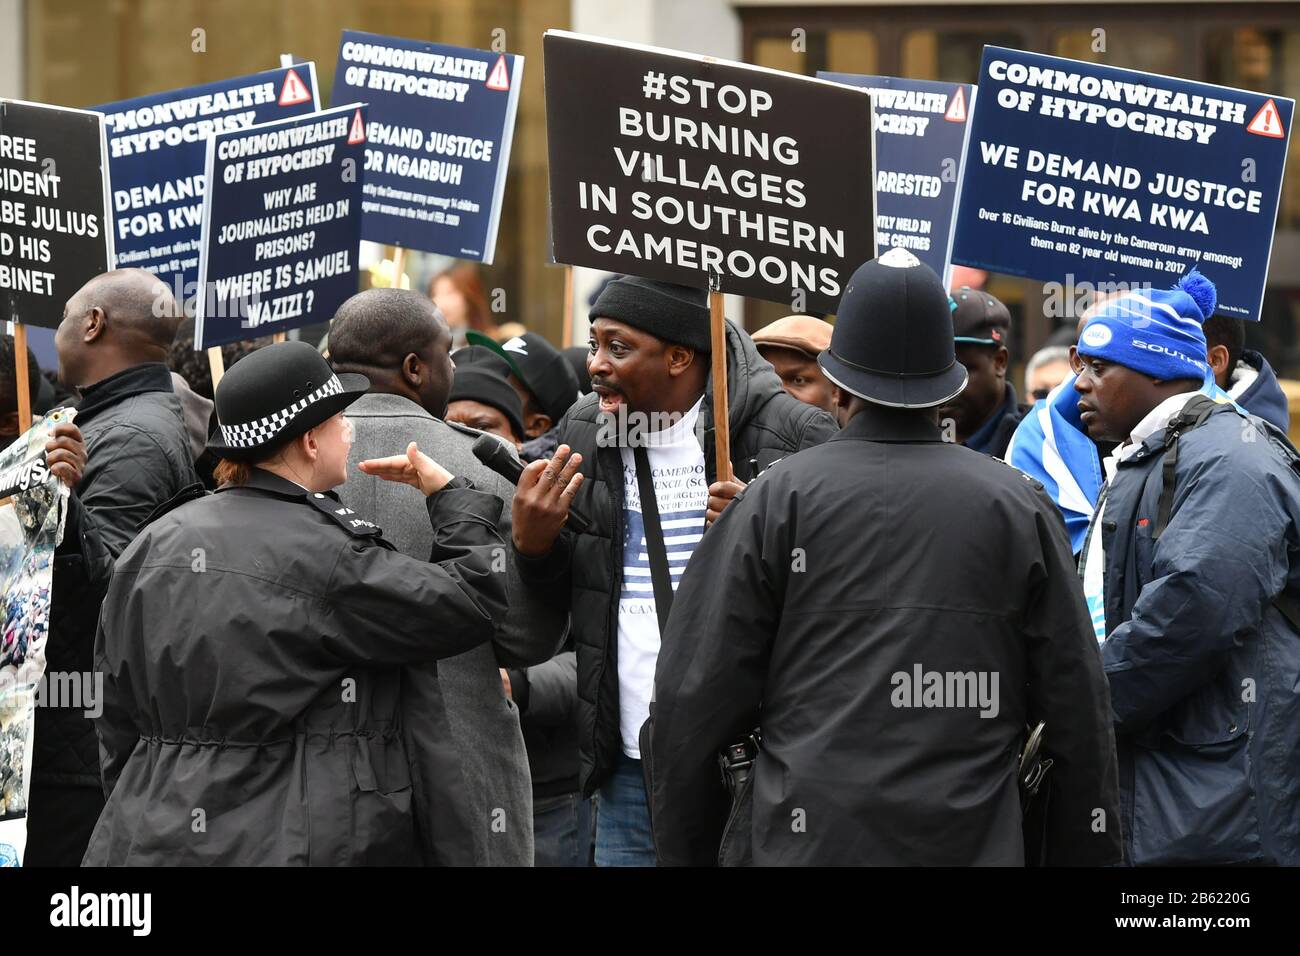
(1093, 565)
(682, 494)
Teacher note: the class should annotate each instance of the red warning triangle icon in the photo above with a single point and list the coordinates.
(294, 90)
(957, 108)
(1267, 122)
(357, 134)
(499, 78)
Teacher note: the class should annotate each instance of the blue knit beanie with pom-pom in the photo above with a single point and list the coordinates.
(1157, 333)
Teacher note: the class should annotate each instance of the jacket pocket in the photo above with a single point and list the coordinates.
(380, 766)
(1195, 804)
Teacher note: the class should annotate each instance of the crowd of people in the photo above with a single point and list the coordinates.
(911, 620)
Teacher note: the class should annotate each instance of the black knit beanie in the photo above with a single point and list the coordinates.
(673, 313)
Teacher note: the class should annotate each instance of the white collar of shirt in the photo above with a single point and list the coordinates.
(678, 431)
(1155, 420)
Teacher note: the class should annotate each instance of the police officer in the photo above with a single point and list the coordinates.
(251, 641)
(900, 608)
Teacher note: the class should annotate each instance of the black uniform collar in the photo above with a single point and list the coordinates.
(148, 377)
(263, 480)
(880, 423)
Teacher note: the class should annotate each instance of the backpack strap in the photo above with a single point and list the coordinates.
(1193, 414)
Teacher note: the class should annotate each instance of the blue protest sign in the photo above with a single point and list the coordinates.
(157, 145)
(440, 124)
(1083, 173)
(920, 141)
(281, 225)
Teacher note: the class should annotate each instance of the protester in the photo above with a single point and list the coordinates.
(251, 641)
(481, 396)
(650, 349)
(1190, 576)
(1046, 369)
(111, 344)
(1244, 373)
(399, 341)
(545, 383)
(862, 565)
(792, 345)
(985, 413)
(1052, 445)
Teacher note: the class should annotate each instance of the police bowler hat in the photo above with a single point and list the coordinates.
(274, 395)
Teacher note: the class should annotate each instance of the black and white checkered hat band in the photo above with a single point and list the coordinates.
(263, 430)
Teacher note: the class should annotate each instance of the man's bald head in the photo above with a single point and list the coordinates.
(118, 319)
(400, 340)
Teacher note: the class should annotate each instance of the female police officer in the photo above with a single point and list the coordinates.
(251, 640)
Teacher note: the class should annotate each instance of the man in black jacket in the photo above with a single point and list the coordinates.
(900, 608)
(112, 344)
(650, 420)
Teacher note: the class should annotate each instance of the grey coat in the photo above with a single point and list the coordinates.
(485, 725)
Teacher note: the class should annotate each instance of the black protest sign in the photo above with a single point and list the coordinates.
(669, 166)
(53, 208)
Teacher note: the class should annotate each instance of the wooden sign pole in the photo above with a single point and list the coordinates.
(399, 261)
(566, 332)
(718, 333)
(217, 365)
(21, 379)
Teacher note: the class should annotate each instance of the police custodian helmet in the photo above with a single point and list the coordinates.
(893, 338)
(275, 394)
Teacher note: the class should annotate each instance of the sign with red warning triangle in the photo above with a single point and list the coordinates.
(499, 78)
(1267, 122)
(957, 108)
(294, 91)
(357, 132)
(445, 175)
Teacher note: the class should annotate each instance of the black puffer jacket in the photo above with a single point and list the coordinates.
(137, 458)
(584, 572)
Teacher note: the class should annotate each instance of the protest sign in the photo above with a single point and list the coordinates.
(54, 215)
(281, 225)
(30, 527)
(438, 140)
(920, 144)
(157, 146)
(669, 165)
(1083, 173)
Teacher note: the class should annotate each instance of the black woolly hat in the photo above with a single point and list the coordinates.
(674, 313)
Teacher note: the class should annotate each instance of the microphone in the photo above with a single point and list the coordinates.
(492, 453)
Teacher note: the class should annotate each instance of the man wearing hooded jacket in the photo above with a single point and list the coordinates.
(653, 399)
(890, 611)
(1189, 569)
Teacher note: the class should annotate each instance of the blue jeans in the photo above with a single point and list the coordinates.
(562, 830)
(623, 836)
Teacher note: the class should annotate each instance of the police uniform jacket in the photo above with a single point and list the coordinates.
(251, 646)
(818, 606)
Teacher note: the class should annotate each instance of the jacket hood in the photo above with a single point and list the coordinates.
(1265, 397)
(751, 380)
